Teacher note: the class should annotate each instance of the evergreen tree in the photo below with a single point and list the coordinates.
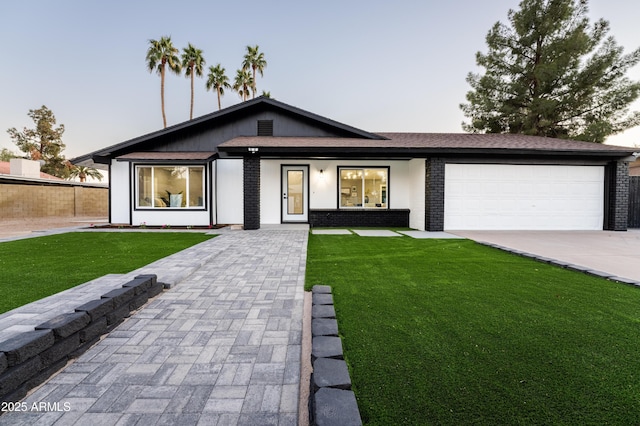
(6, 155)
(44, 142)
(551, 73)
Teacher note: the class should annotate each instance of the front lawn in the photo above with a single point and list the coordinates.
(33, 268)
(452, 332)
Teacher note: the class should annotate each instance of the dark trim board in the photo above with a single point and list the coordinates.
(396, 218)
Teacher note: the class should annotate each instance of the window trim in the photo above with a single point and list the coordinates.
(363, 168)
(136, 187)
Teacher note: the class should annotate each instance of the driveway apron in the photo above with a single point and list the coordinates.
(221, 347)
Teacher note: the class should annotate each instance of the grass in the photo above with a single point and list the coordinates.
(33, 268)
(452, 332)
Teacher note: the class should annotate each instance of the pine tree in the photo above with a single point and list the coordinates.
(551, 73)
(44, 142)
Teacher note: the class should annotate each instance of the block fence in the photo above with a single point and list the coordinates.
(332, 402)
(19, 201)
(30, 358)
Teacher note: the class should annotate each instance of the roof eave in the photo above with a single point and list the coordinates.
(417, 152)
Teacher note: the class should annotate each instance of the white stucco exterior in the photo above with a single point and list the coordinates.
(228, 192)
(120, 199)
(323, 187)
(416, 194)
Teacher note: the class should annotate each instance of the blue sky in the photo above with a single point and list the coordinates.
(376, 65)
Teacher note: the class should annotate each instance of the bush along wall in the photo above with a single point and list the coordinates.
(29, 359)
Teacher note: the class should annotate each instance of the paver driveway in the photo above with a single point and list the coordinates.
(221, 347)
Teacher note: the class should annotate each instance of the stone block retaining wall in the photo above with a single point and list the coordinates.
(332, 401)
(30, 358)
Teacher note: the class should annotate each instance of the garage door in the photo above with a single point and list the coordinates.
(526, 197)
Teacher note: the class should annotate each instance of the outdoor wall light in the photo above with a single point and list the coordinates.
(321, 174)
(253, 149)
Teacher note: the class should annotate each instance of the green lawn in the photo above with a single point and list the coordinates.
(33, 268)
(452, 332)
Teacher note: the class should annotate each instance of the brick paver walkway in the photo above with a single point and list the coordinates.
(221, 347)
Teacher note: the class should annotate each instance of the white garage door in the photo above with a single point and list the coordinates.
(523, 197)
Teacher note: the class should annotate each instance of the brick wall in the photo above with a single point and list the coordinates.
(25, 201)
(251, 190)
(434, 194)
(617, 213)
(396, 218)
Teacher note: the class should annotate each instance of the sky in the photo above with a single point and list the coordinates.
(377, 65)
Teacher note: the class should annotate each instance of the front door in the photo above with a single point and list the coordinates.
(295, 198)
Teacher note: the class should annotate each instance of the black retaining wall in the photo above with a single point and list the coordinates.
(392, 218)
(30, 358)
(331, 402)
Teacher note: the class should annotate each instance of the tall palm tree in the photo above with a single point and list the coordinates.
(255, 61)
(243, 83)
(160, 54)
(218, 80)
(192, 62)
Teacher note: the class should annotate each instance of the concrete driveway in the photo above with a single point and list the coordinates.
(607, 251)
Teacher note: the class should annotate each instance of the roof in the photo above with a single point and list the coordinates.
(424, 143)
(211, 119)
(159, 155)
(5, 169)
(348, 141)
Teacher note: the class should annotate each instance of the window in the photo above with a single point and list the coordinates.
(170, 186)
(363, 188)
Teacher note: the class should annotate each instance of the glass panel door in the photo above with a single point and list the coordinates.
(295, 193)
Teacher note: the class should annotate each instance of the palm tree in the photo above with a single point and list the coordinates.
(218, 80)
(255, 61)
(160, 53)
(243, 83)
(83, 171)
(192, 62)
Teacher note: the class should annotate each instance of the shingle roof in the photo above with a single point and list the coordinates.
(430, 143)
(496, 141)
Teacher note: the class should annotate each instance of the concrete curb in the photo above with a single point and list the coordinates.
(565, 265)
(332, 402)
(30, 358)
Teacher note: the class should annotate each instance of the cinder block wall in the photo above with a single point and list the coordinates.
(25, 201)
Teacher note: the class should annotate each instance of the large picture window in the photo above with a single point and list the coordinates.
(179, 187)
(363, 187)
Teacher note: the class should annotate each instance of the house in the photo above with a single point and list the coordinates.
(266, 162)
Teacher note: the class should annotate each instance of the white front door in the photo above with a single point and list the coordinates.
(295, 198)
